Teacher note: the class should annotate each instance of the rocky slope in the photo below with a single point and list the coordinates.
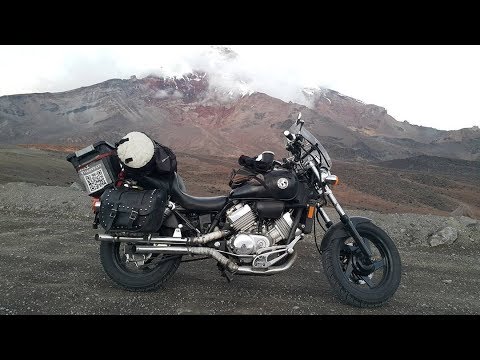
(421, 185)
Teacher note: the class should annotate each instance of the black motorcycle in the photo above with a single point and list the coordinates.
(151, 223)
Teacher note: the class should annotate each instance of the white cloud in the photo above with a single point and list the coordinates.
(426, 85)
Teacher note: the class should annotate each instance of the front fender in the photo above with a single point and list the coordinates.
(338, 231)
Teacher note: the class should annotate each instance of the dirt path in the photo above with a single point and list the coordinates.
(50, 265)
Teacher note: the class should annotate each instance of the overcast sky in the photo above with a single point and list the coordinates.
(426, 85)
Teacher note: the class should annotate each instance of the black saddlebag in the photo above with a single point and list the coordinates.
(129, 210)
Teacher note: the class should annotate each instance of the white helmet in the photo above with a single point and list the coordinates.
(135, 150)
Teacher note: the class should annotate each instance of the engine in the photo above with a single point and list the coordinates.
(248, 239)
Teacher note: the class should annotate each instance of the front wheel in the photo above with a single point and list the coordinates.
(136, 272)
(358, 282)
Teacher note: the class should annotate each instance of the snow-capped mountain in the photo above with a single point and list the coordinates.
(219, 113)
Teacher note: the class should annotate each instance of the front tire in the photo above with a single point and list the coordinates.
(153, 274)
(356, 284)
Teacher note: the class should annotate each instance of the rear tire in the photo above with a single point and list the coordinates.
(358, 287)
(141, 279)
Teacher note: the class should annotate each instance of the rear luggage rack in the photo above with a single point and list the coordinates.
(97, 166)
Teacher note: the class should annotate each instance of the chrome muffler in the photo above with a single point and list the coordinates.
(149, 239)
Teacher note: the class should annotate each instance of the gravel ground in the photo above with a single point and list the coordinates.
(50, 265)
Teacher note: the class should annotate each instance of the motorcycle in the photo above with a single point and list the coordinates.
(255, 229)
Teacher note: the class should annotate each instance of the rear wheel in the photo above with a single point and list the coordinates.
(136, 272)
(356, 281)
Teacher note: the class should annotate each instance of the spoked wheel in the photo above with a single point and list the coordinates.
(136, 272)
(354, 279)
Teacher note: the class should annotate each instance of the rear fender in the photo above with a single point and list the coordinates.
(338, 231)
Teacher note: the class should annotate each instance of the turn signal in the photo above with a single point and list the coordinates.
(311, 211)
(95, 204)
(332, 180)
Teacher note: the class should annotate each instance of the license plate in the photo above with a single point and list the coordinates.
(95, 177)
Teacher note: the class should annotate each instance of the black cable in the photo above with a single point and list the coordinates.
(325, 230)
(315, 232)
(315, 236)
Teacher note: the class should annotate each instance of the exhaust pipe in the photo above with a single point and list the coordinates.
(184, 250)
(199, 240)
(248, 270)
(230, 265)
(227, 263)
(144, 249)
(150, 239)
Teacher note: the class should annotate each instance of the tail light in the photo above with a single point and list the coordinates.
(96, 204)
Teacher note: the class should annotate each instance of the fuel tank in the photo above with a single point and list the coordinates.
(281, 184)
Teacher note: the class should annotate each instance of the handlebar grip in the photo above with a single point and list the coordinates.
(289, 135)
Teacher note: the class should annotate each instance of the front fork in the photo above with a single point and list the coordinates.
(344, 218)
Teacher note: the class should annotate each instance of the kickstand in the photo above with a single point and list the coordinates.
(225, 272)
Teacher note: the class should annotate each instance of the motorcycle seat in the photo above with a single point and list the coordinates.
(180, 196)
(188, 202)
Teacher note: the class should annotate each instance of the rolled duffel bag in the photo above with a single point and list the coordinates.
(240, 176)
(130, 210)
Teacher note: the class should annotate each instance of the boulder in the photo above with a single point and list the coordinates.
(447, 235)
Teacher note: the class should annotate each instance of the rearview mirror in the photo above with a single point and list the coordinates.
(299, 120)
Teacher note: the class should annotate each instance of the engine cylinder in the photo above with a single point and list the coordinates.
(241, 217)
(281, 229)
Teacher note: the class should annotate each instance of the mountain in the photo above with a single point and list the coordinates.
(375, 122)
(195, 113)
